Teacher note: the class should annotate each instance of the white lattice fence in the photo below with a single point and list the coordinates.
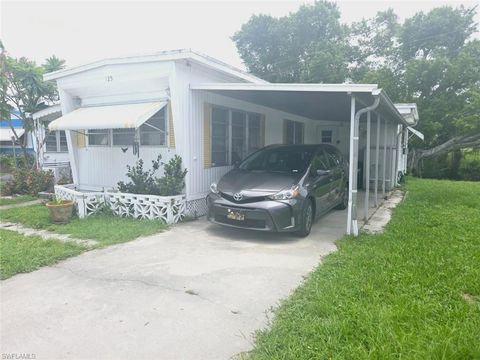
(85, 203)
(196, 207)
(170, 209)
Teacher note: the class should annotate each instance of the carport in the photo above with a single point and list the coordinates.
(358, 108)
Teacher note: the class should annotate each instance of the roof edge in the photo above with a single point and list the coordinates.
(171, 55)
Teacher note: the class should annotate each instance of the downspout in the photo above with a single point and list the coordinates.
(352, 226)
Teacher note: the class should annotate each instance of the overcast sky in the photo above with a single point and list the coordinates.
(85, 31)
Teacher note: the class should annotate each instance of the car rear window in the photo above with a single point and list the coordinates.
(293, 159)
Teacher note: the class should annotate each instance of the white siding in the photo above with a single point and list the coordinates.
(105, 166)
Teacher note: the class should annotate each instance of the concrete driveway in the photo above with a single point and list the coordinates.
(198, 291)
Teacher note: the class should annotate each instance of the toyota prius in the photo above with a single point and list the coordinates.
(281, 188)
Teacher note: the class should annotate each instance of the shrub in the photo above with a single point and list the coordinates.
(456, 165)
(470, 170)
(7, 162)
(141, 181)
(145, 182)
(173, 180)
(29, 181)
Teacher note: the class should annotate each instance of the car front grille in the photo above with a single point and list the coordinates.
(247, 223)
(244, 200)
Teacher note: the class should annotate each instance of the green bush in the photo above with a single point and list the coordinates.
(456, 165)
(145, 182)
(29, 181)
(173, 180)
(470, 170)
(141, 181)
(7, 162)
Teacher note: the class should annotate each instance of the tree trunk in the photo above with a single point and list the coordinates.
(459, 142)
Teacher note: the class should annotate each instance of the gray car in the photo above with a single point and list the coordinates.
(281, 188)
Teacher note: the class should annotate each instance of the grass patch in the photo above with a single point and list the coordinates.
(412, 292)
(20, 253)
(105, 229)
(16, 200)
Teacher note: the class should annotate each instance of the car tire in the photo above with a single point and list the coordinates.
(344, 202)
(306, 219)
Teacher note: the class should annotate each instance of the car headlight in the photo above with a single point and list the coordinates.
(213, 188)
(288, 194)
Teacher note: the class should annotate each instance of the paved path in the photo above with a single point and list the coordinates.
(26, 203)
(380, 218)
(197, 291)
(46, 234)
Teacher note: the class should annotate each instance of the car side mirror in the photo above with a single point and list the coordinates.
(323, 172)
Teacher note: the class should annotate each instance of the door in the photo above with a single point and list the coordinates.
(338, 173)
(321, 181)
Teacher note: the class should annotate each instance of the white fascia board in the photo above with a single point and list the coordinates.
(164, 56)
(386, 100)
(346, 88)
(409, 108)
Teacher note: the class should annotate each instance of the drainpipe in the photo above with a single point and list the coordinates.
(352, 226)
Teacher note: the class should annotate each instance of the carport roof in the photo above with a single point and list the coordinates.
(329, 102)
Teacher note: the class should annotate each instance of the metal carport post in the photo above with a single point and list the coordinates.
(352, 220)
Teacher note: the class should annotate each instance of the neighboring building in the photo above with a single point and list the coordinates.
(8, 142)
(213, 115)
(51, 149)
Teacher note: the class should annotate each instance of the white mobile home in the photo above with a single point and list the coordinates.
(212, 115)
(51, 147)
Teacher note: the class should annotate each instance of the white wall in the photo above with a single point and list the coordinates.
(106, 166)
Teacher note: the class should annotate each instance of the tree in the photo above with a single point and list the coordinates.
(443, 29)
(53, 63)
(307, 46)
(429, 60)
(24, 90)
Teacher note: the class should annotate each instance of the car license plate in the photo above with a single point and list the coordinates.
(235, 215)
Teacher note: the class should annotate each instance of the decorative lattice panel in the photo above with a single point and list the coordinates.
(170, 209)
(196, 207)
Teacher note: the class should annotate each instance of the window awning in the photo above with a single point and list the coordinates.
(107, 117)
(7, 134)
(416, 132)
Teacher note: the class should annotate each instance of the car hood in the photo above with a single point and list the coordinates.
(255, 183)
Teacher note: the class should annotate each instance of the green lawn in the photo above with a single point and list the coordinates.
(19, 253)
(412, 292)
(16, 200)
(102, 228)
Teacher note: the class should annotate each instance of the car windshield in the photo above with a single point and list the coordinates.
(288, 159)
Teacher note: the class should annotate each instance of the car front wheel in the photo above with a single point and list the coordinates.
(306, 219)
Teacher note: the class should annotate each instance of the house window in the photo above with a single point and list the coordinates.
(55, 141)
(154, 130)
(254, 133)
(99, 137)
(220, 136)
(294, 132)
(235, 135)
(327, 136)
(123, 137)
(239, 141)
